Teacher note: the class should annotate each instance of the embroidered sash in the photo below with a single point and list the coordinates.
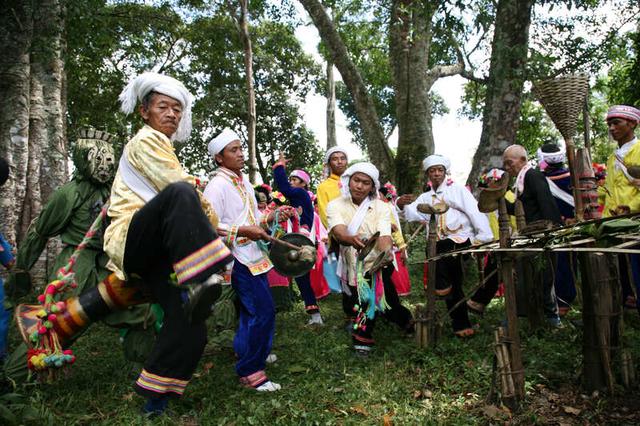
(557, 192)
(245, 250)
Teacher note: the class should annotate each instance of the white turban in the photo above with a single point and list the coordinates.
(556, 157)
(148, 82)
(218, 143)
(364, 167)
(436, 160)
(332, 151)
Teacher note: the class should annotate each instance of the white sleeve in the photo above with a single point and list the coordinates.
(465, 202)
(410, 212)
(214, 193)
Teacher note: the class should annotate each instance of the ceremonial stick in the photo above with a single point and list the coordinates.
(415, 233)
(284, 243)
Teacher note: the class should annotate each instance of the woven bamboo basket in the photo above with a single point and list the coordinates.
(563, 98)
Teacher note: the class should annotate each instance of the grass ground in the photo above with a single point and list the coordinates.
(324, 383)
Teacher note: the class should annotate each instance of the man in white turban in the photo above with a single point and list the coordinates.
(354, 217)
(335, 163)
(243, 225)
(459, 227)
(159, 232)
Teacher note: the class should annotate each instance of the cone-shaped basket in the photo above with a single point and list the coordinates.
(563, 98)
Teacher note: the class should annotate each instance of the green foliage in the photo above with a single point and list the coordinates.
(568, 36)
(17, 409)
(363, 25)
(624, 76)
(536, 128)
(325, 384)
(196, 42)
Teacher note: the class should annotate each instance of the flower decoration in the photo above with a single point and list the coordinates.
(279, 197)
(392, 193)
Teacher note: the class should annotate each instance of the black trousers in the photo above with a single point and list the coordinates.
(397, 313)
(489, 289)
(172, 235)
(449, 273)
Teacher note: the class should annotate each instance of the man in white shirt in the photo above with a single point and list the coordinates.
(243, 227)
(462, 225)
(355, 216)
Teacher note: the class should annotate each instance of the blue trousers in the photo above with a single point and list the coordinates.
(304, 285)
(254, 337)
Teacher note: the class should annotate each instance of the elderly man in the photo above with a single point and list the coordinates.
(159, 232)
(622, 193)
(233, 198)
(335, 163)
(461, 226)
(532, 189)
(354, 217)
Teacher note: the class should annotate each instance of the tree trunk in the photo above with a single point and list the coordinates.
(16, 28)
(378, 150)
(331, 107)
(245, 37)
(409, 43)
(32, 126)
(410, 33)
(504, 88)
(47, 66)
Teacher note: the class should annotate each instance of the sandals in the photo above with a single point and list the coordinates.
(475, 308)
(443, 292)
(465, 333)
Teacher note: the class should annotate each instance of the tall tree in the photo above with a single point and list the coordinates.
(241, 18)
(331, 106)
(410, 40)
(505, 83)
(32, 131)
(368, 118)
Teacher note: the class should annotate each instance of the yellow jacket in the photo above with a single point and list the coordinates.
(493, 217)
(619, 191)
(151, 153)
(327, 191)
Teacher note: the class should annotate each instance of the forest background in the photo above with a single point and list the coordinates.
(63, 64)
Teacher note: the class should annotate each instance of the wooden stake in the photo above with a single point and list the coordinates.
(571, 154)
(431, 326)
(506, 269)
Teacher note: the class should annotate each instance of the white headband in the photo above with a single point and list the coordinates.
(332, 151)
(218, 143)
(557, 157)
(148, 82)
(436, 160)
(364, 167)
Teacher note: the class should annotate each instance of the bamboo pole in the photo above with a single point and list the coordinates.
(602, 320)
(431, 326)
(571, 158)
(506, 269)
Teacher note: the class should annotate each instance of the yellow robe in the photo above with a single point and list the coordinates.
(152, 154)
(328, 190)
(620, 191)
